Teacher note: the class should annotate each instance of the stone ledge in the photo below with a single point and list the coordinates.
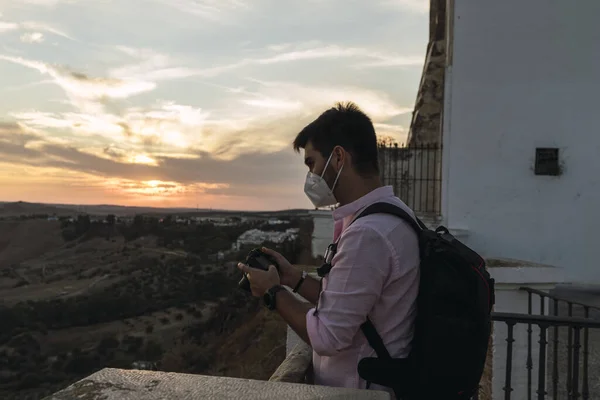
(295, 366)
(113, 384)
(510, 272)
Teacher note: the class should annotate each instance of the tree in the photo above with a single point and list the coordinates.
(111, 219)
(138, 221)
(82, 225)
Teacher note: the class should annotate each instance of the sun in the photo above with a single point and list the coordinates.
(153, 184)
(143, 159)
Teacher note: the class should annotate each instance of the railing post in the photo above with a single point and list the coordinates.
(529, 364)
(585, 391)
(570, 355)
(543, 342)
(555, 351)
(541, 392)
(542, 305)
(576, 347)
(509, 349)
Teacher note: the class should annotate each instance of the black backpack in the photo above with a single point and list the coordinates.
(453, 323)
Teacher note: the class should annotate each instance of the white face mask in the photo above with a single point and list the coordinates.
(317, 189)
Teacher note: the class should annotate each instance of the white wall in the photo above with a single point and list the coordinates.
(525, 74)
(322, 231)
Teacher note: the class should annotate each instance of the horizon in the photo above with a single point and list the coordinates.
(186, 209)
(106, 109)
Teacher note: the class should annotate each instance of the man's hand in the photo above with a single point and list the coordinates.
(260, 281)
(288, 274)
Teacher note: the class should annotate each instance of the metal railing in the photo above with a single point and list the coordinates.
(574, 344)
(545, 322)
(415, 174)
(519, 327)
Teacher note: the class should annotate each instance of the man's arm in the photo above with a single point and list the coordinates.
(291, 308)
(293, 311)
(309, 289)
(354, 285)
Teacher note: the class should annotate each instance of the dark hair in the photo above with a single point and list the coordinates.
(347, 126)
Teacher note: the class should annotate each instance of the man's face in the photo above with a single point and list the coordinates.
(316, 163)
(313, 159)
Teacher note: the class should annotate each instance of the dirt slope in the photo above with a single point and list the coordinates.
(24, 240)
(254, 350)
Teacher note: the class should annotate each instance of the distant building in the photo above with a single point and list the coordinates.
(275, 221)
(144, 365)
(257, 237)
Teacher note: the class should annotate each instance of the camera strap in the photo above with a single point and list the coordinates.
(324, 269)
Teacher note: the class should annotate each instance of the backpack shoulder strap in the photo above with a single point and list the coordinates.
(387, 208)
(418, 226)
(375, 208)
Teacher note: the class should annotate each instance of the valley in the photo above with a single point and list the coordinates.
(81, 293)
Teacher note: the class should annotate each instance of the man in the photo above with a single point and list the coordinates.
(375, 271)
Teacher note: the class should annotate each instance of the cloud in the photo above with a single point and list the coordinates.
(418, 6)
(167, 109)
(391, 61)
(174, 150)
(33, 26)
(155, 67)
(200, 171)
(396, 132)
(265, 116)
(44, 27)
(310, 99)
(83, 91)
(337, 52)
(147, 65)
(45, 3)
(8, 26)
(214, 10)
(80, 85)
(33, 37)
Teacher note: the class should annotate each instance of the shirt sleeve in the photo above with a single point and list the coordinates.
(354, 285)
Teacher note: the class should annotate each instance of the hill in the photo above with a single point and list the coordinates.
(118, 294)
(22, 240)
(22, 208)
(16, 209)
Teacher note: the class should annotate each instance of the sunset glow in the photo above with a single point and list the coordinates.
(143, 159)
(156, 111)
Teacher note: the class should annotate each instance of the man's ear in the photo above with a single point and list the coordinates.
(340, 157)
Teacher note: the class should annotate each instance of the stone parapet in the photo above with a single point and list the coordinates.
(118, 384)
(296, 365)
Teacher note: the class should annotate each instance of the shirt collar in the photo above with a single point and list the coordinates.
(351, 209)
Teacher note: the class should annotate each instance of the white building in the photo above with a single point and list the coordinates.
(258, 237)
(522, 83)
(322, 231)
(275, 221)
(521, 87)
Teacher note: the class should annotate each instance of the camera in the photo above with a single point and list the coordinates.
(258, 260)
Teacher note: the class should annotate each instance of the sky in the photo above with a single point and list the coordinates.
(191, 103)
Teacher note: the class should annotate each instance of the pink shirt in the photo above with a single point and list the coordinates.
(375, 273)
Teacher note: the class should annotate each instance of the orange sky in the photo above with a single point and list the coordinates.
(101, 107)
